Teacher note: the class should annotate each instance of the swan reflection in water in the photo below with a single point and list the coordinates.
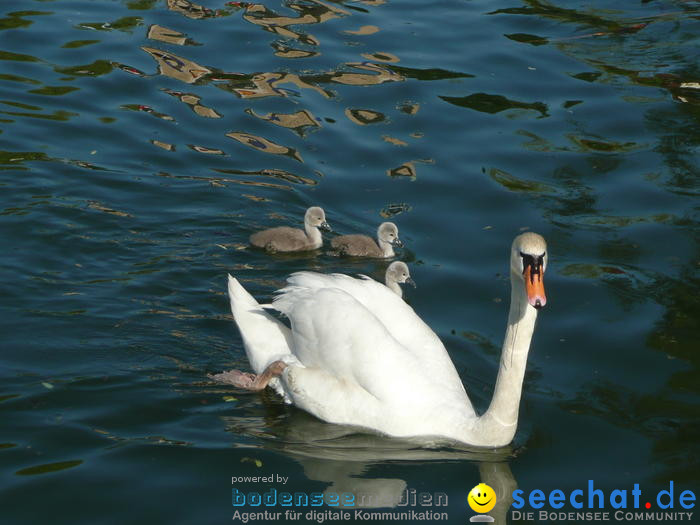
(347, 460)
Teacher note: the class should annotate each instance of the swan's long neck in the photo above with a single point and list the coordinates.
(500, 421)
(313, 234)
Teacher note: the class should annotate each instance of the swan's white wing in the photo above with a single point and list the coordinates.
(397, 317)
(355, 371)
(331, 331)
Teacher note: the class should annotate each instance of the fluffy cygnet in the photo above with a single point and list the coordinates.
(364, 246)
(286, 239)
(396, 273)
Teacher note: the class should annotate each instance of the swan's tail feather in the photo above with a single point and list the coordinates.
(239, 296)
(265, 339)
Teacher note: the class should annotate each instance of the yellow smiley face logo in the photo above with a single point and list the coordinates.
(482, 498)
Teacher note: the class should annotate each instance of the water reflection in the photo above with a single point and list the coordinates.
(48, 468)
(177, 67)
(364, 116)
(129, 69)
(123, 24)
(17, 20)
(163, 145)
(407, 169)
(169, 36)
(223, 181)
(284, 51)
(276, 174)
(260, 15)
(391, 210)
(347, 460)
(299, 122)
(59, 115)
(380, 75)
(381, 57)
(192, 10)
(149, 110)
(363, 31)
(409, 109)
(193, 101)
(518, 184)
(488, 103)
(267, 85)
(203, 149)
(316, 12)
(264, 145)
(561, 14)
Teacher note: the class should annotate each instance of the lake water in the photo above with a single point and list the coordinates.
(142, 141)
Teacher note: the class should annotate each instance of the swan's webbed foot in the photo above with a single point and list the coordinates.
(236, 378)
(248, 381)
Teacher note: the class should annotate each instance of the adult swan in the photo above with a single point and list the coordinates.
(357, 354)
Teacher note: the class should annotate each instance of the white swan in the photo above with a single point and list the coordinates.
(358, 355)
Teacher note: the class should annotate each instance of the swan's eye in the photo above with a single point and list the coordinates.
(528, 260)
(536, 263)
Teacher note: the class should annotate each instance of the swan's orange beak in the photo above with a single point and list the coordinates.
(534, 286)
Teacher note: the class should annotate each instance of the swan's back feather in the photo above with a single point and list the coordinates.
(397, 318)
(355, 372)
(324, 339)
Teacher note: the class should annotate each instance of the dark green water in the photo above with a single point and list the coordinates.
(124, 203)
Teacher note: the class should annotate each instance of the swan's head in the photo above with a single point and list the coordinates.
(316, 217)
(398, 273)
(528, 261)
(389, 233)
